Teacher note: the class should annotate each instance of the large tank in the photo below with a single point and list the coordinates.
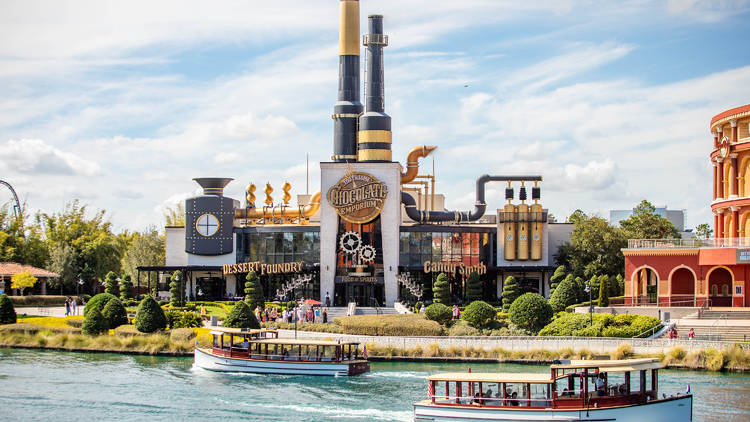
(536, 232)
(523, 231)
(509, 232)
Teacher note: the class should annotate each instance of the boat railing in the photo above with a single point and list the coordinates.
(492, 401)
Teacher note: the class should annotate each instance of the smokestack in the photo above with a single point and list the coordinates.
(213, 185)
(348, 108)
(374, 143)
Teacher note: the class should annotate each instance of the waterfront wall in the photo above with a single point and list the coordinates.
(518, 344)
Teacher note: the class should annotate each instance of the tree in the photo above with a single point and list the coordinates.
(530, 311)
(145, 249)
(254, 291)
(175, 216)
(614, 287)
(126, 288)
(7, 311)
(110, 284)
(620, 282)
(581, 290)
(565, 295)
(441, 290)
(149, 317)
(604, 290)
(473, 287)
(61, 261)
(594, 247)
(645, 223)
(19, 241)
(115, 314)
(703, 231)
(22, 281)
(511, 291)
(176, 289)
(241, 316)
(556, 278)
(99, 302)
(439, 313)
(94, 323)
(479, 313)
(593, 284)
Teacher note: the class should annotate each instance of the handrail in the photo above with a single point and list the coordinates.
(726, 242)
(726, 322)
(652, 330)
(377, 305)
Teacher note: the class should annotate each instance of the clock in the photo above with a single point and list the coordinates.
(207, 225)
(724, 147)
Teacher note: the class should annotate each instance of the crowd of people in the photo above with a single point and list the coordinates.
(299, 314)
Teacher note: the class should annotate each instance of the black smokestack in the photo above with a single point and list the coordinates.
(348, 108)
(374, 143)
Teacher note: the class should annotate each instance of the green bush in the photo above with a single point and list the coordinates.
(39, 300)
(604, 291)
(241, 316)
(605, 325)
(478, 314)
(181, 334)
(254, 292)
(7, 311)
(441, 290)
(110, 284)
(94, 323)
(149, 317)
(530, 311)
(439, 313)
(114, 313)
(128, 331)
(510, 292)
(564, 295)
(126, 289)
(305, 326)
(462, 328)
(556, 279)
(99, 302)
(176, 291)
(389, 325)
(473, 287)
(177, 319)
(74, 322)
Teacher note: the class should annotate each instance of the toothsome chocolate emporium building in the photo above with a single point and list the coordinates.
(376, 233)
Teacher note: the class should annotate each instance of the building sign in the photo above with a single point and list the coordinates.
(454, 267)
(351, 279)
(358, 197)
(743, 256)
(262, 269)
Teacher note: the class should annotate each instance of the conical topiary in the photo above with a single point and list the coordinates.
(115, 314)
(94, 323)
(241, 316)
(110, 284)
(254, 291)
(7, 311)
(149, 317)
(441, 292)
(473, 287)
(511, 291)
(126, 288)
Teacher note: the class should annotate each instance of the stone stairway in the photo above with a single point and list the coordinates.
(718, 332)
(725, 314)
(374, 311)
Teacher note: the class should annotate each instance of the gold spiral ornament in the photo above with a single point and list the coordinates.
(286, 196)
(268, 190)
(250, 190)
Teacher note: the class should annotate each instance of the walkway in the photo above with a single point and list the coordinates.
(55, 311)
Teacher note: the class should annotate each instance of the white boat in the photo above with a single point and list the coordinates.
(262, 352)
(582, 390)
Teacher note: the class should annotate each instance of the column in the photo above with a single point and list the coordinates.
(733, 123)
(720, 179)
(733, 173)
(720, 227)
(716, 225)
(716, 178)
(736, 222)
(716, 139)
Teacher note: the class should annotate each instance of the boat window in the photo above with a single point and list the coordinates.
(516, 394)
(540, 395)
(569, 387)
(616, 384)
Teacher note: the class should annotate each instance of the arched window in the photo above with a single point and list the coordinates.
(714, 290)
(724, 290)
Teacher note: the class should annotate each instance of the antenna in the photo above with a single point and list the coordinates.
(307, 170)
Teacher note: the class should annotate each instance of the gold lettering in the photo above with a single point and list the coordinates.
(427, 267)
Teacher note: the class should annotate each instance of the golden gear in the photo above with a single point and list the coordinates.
(350, 242)
(367, 253)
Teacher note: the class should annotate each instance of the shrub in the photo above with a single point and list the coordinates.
(478, 314)
(126, 289)
(99, 302)
(114, 313)
(624, 351)
(241, 316)
(473, 287)
(620, 285)
(176, 291)
(605, 325)
(462, 328)
(510, 292)
(254, 292)
(564, 295)
(110, 284)
(182, 334)
(604, 291)
(128, 331)
(389, 325)
(7, 311)
(149, 317)
(556, 279)
(177, 319)
(74, 322)
(84, 298)
(441, 290)
(530, 311)
(439, 313)
(94, 323)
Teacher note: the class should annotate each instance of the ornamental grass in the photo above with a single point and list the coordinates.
(402, 325)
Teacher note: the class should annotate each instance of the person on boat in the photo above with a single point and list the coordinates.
(601, 386)
(477, 398)
(514, 399)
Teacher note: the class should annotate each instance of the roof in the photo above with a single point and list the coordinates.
(730, 113)
(293, 342)
(10, 268)
(492, 377)
(622, 365)
(228, 330)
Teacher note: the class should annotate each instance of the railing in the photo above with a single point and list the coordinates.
(376, 305)
(650, 331)
(711, 328)
(727, 242)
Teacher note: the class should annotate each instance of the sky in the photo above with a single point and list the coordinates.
(120, 104)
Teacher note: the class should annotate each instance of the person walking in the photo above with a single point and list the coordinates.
(325, 315)
(328, 300)
(274, 314)
(67, 306)
(74, 306)
(317, 315)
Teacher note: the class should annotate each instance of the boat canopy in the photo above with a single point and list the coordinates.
(621, 365)
(294, 342)
(217, 331)
(492, 377)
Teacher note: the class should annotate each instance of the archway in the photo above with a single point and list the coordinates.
(728, 226)
(725, 184)
(646, 282)
(682, 281)
(720, 287)
(744, 180)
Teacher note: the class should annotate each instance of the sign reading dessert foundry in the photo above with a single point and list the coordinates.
(358, 197)
(262, 269)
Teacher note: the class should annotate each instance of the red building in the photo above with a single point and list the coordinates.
(703, 272)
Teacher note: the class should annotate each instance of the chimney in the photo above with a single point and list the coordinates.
(374, 140)
(213, 185)
(348, 108)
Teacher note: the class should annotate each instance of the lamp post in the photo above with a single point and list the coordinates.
(591, 305)
(78, 286)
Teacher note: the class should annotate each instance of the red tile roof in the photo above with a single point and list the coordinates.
(10, 268)
(730, 112)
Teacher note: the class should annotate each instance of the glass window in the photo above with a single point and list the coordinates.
(426, 245)
(414, 240)
(437, 240)
(288, 243)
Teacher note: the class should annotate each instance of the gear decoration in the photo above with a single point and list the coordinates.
(367, 253)
(350, 242)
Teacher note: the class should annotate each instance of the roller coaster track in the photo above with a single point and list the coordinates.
(17, 205)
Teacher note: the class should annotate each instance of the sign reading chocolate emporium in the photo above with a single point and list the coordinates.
(261, 269)
(358, 197)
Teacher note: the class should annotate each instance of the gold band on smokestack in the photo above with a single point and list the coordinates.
(349, 28)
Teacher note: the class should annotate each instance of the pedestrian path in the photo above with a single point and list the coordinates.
(55, 311)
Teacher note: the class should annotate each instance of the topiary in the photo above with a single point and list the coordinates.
(7, 311)
(556, 279)
(565, 295)
(530, 311)
(254, 291)
(175, 289)
(126, 288)
(441, 290)
(149, 316)
(99, 302)
(473, 287)
(439, 313)
(110, 284)
(479, 313)
(510, 292)
(115, 314)
(241, 316)
(604, 290)
(94, 323)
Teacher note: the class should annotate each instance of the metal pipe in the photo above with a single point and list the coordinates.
(412, 162)
(301, 212)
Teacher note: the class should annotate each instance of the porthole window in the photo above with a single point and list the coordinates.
(207, 225)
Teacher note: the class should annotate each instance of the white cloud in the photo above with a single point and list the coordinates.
(34, 156)
(227, 158)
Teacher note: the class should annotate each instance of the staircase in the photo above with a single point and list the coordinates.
(340, 311)
(719, 332)
(711, 314)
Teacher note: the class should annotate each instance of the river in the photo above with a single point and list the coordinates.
(57, 386)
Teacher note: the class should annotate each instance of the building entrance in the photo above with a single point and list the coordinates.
(363, 294)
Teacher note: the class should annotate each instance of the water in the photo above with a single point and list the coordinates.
(51, 386)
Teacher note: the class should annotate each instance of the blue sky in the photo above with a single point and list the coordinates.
(121, 104)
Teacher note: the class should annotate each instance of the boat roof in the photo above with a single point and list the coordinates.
(303, 342)
(618, 365)
(227, 330)
(491, 377)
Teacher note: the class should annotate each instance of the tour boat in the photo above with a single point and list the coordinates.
(263, 352)
(577, 390)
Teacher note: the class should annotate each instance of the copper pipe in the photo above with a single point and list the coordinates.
(412, 162)
(301, 212)
(425, 186)
(432, 183)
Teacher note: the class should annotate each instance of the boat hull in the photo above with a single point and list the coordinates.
(206, 360)
(673, 409)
